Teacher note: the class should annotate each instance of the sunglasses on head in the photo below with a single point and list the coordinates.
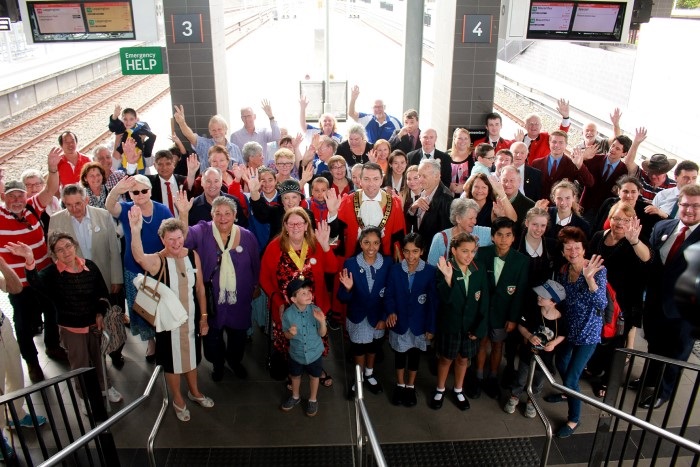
(143, 192)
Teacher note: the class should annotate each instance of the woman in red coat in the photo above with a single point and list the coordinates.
(296, 252)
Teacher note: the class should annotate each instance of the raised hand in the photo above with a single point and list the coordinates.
(129, 147)
(306, 175)
(498, 208)
(117, 112)
(355, 92)
(519, 135)
(316, 141)
(22, 250)
(181, 202)
(135, 219)
(577, 157)
(542, 203)
(54, 158)
(632, 230)
(332, 201)
(372, 155)
(323, 233)
(591, 269)
(640, 135)
(303, 101)
(615, 117)
(250, 176)
(297, 140)
(446, 269)
(496, 185)
(267, 108)
(345, 278)
(193, 164)
(318, 315)
(563, 107)
(179, 114)
(124, 185)
(589, 152)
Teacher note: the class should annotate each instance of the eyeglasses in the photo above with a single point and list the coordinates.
(621, 220)
(284, 164)
(68, 247)
(143, 192)
(689, 205)
(295, 225)
(33, 185)
(492, 158)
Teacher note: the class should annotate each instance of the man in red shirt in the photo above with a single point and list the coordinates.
(19, 222)
(72, 162)
(537, 140)
(494, 123)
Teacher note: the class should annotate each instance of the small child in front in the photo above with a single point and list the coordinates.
(542, 331)
(304, 324)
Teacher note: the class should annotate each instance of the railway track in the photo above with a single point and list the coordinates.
(26, 144)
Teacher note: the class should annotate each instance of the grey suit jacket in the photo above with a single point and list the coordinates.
(105, 245)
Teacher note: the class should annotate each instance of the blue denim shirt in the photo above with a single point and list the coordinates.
(306, 347)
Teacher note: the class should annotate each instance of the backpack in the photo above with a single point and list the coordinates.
(613, 318)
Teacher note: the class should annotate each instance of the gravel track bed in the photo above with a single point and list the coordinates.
(87, 130)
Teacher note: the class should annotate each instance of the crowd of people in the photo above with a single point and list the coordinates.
(487, 252)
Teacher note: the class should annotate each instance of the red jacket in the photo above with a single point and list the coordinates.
(539, 147)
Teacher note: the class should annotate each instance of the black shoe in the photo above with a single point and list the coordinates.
(636, 384)
(373, 385)
(647, 402)
(436, 404)
(58, 354)
(461, 404)
(239, 370)
(398, 397)
(217, 374)
(473, 388)
(36, 374)
(409, 397)
(491, 388)
(118, 362)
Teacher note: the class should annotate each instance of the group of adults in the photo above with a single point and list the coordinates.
(239, 214)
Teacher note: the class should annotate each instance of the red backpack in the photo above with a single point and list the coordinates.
(613, 319)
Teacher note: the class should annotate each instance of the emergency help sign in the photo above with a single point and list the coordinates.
(142, 60)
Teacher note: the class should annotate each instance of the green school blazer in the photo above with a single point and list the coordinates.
(462, 311)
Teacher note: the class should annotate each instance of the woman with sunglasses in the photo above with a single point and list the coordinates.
(139, 189)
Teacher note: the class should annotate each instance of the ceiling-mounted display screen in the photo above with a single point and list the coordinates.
(82, 20)
(576, 21)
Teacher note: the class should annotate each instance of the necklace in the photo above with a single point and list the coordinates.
(144, 219)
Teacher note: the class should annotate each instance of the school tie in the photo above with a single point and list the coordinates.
(607, 172)
(411, 140)
(554, 168)
(676, 244)
(170, 198)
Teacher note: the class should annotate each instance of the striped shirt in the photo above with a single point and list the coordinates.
(649, 191)
(26, 228)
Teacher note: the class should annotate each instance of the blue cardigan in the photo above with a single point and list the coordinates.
(416, 308)
(361, 302)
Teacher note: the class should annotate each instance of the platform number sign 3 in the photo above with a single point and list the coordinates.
(187, 29)
(477, 28)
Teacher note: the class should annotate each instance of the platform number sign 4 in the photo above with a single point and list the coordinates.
(187, 29)
(477, 28)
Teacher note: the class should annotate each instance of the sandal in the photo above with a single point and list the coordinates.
(182, 413)
(204, 401)
(327, 380)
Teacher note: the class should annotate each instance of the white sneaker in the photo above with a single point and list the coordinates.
(113, 395)
(511, 405)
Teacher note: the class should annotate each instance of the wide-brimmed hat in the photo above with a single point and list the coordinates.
(658, 164)
(289, 186)
(552, 290)
(15, 185)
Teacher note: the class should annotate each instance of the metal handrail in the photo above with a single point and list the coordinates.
(36, 387)
(646, 426)
(156, 425)
(92, 434)
(362, 419)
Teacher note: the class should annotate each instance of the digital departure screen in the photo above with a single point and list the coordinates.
(81, 21)
(572, 20)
